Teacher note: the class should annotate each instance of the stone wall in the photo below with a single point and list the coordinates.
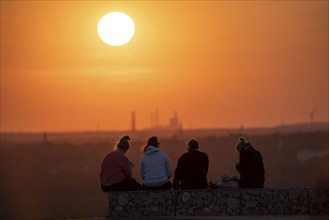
(141, 203)
(266, 201)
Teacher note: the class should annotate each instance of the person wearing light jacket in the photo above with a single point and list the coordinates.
(155, 167)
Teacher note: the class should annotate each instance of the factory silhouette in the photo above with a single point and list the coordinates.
(174, 123)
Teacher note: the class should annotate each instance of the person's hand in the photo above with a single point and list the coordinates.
(132, 164)
(237, 166)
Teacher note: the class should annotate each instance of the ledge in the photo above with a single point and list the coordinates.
(217, 202)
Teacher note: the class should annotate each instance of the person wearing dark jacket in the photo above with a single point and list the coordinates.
(192, 168)
(250, 166)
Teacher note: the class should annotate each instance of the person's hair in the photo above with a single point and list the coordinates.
(193, 144)
(124, 142)
(152, 141)
(242, 145)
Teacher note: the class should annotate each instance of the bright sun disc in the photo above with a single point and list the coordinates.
(116, 28)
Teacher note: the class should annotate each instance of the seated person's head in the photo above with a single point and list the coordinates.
(124, 143)
(153, 141)
(192, 145)
(242, 145)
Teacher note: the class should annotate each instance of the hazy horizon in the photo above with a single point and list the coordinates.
(305, 125)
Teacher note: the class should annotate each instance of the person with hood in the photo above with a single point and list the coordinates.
(155, 167)
(116, 169)
(250, 166)
(192, 168)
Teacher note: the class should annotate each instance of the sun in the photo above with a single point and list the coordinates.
(116, 28)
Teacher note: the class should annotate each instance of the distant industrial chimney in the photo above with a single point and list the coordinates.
(174, 122)
(157, 118)
(133, 121)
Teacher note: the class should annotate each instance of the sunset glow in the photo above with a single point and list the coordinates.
(215, 63)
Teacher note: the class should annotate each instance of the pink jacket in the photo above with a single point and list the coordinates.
(115, 168)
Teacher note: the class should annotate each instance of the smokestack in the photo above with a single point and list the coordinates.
(152, 120)
(157, 118)
(133, 121)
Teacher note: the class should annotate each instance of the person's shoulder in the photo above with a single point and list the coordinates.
(120, 156)
(184, 155)
(111, 154)
(203, 153)
(163, 154)
(257, 152)
(193, 154)
(252, 149)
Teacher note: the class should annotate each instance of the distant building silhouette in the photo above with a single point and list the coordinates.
(174, 124)
(133, 121)
(157, 118)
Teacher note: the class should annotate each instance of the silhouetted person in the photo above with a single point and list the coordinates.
(192, 168)
(155, 167)
(116, 171)
(250, 166)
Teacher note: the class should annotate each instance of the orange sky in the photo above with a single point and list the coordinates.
(217, 63)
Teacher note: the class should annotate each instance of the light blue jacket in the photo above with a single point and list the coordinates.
(155, 167)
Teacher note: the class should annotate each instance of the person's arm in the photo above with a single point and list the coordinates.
(142, 173)
(178, 175)
(243, 162)
(206, 164)
(178, 171)
(102, 172)
(168, 167)
(126, 167)
(237, 167)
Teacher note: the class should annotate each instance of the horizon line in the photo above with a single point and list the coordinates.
(242, 127)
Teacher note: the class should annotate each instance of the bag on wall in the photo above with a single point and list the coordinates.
(229, 182)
